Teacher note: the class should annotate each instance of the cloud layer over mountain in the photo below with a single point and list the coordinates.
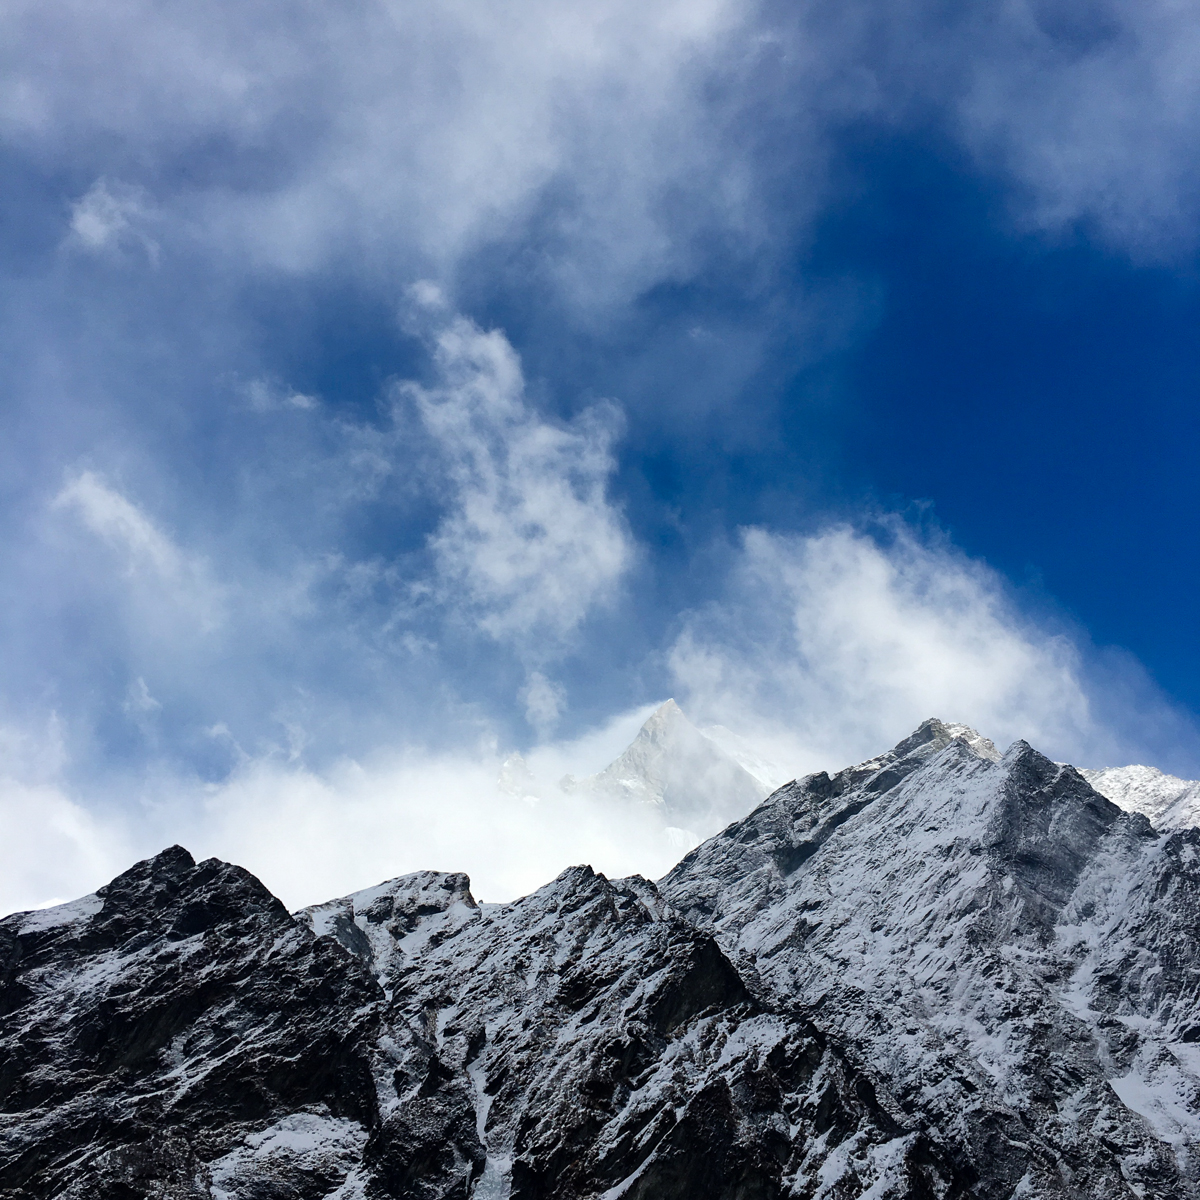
(390, 388)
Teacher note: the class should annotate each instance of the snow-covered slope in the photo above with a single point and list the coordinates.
(1169, 802)
(1015, 955)
(388, 925)
(944, 973)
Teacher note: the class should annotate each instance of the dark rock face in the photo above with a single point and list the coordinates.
(938, 974)
(144, 1036)
(594, 1038)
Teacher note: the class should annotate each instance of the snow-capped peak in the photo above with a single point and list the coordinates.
(992, 934)
(1169, 802)
(674, 767)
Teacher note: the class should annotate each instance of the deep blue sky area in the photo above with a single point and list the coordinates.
(400, 379)
(1041, 393)
(1036, 393)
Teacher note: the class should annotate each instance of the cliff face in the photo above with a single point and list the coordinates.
(1010, 951)
(941, 973)
(148, 1029)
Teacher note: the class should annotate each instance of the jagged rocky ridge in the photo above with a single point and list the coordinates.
(941, 973)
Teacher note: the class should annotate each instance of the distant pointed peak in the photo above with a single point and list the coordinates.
(668, 710)
(675, 767)
(668, 720)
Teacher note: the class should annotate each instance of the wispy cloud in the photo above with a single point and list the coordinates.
(276, 626)
(1089, 108)
(829, 647)
(150, 558)
(531, 542)
(266, 395)
(544, 702)
(123, 525)
(112, 216)
(631, 135)
(401, 131)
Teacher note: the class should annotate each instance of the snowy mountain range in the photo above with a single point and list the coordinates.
(944, 972)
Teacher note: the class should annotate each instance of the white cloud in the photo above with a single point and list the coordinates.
(273, 627)
(395, 137)
(403, 137)
(399, 134)
(266, 395)
(531, 542)
(123, 525)
(831, 647)
(825, 650)
(544, 702)
(166, 580)
(138, 699)
(1093, 109)
(52, 848)
(111, 215)
(313, 835)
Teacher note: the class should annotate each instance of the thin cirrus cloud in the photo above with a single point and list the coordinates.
(160, 576)
(120, 523)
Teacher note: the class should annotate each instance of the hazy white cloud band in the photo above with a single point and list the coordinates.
(825, 650)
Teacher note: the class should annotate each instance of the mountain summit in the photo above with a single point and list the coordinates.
(944, 972)
(674, 767)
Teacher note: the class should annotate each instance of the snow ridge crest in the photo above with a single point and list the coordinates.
(940, 972)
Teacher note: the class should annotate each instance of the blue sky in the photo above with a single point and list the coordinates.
(394, 388)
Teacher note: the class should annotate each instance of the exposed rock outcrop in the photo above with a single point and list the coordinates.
(942, 973)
